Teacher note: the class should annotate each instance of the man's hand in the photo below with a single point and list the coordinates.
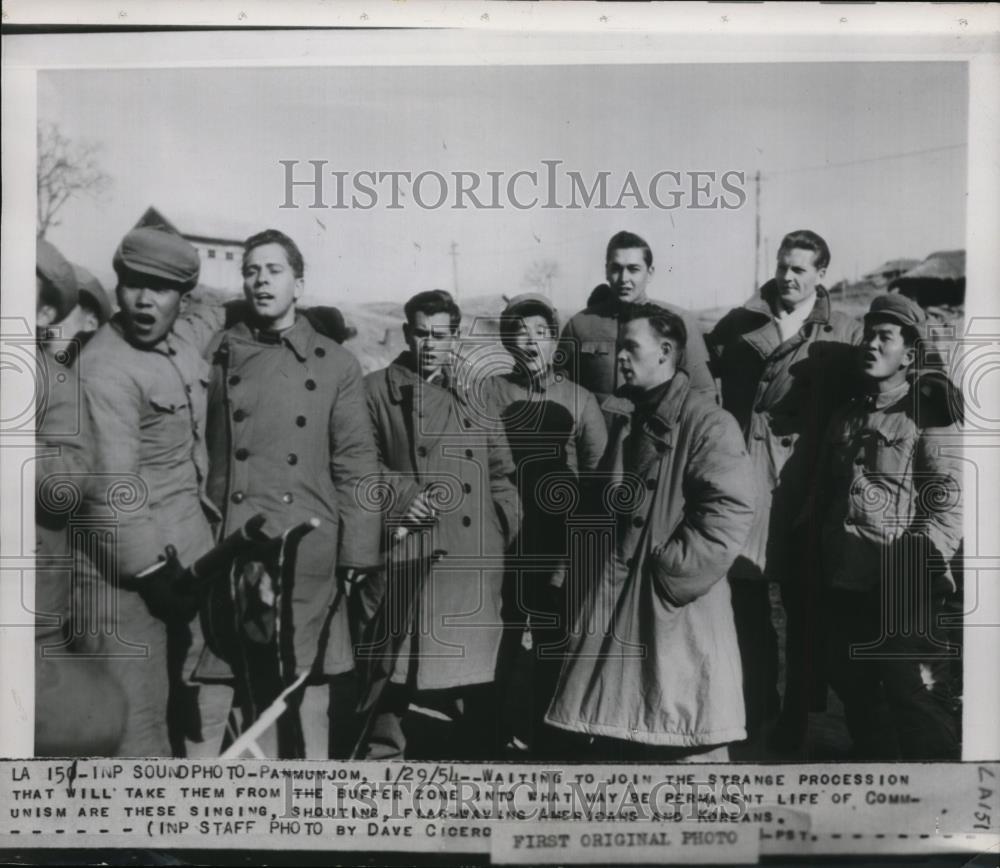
(170, 591)
(421, 510)
(348, 577)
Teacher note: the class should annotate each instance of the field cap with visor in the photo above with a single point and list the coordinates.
(160, 254)
(898, 309)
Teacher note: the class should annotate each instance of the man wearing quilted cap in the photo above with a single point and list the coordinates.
(890, 522)
(144, 379)
(556, 433)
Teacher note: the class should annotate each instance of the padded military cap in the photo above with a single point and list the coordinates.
(899, 309)
(158, 253)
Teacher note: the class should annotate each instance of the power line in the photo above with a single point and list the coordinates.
(901, 154)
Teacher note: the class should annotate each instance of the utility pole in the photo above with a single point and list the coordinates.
(453, 253)
(756, 256)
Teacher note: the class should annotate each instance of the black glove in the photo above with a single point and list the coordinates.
(170, 591)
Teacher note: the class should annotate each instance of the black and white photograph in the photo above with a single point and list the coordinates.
(411, 400)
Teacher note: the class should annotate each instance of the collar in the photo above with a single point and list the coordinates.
(540, 384)
(298, 338)
(667, 410)
(402, 373)
(881, 400)
(761, 303)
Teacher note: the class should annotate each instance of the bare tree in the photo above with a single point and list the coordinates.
(540, 276)
(65, 169)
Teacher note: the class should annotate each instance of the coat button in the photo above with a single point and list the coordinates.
(466, 521)
(848, 520)
(320, 352)
(237, 497)
(467, 488)
(786, 441)
(828, 328)
(758, 436)
(469, 453)
(422, 451)
(234, 380)
(293, 458)
(638, 521)
(240, 415)
(300, 421)
(287, 497)
(651, 483)
(311, 385)
(242, 454)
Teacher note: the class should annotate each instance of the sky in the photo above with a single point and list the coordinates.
(870, 155)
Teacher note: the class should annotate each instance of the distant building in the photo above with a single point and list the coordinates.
(220, 249)
(889, 271)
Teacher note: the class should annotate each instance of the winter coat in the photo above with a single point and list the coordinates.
(288, 436)
(653, 656)
(587, 349)
(782, 394)
(148, 412)
(426, 434)
(556, 432)
(885, 472)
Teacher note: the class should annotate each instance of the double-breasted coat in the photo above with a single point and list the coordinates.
(429, 435)
(653, 656)
(782, 394)
(289, 437)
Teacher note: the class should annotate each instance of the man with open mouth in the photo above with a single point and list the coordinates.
(289, 437)
(144, 383)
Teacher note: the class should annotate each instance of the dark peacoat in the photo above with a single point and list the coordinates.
(288, 436)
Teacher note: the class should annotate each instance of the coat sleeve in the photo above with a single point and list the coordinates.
(353, 464)
(114, 402)
(203, 317)
(591, 434)
(505, 497)
(696, 359)
(938, 489)
(718, 511)
(404, 487)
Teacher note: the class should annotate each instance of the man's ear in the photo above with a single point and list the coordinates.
(821, 272)
(300, 285)
(910, 357)
(406, 332)
(652, 271)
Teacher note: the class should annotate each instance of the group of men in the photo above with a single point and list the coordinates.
(566, 547)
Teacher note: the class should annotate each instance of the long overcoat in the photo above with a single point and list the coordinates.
(653, 655)
(431, 437)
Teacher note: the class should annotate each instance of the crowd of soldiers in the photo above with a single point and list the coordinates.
(567, 542)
